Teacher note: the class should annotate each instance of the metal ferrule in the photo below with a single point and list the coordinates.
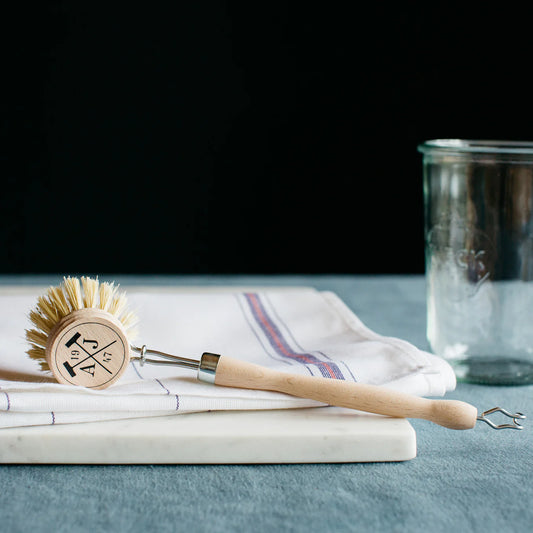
(208, 367)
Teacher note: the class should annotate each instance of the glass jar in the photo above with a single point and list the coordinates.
(478, 206)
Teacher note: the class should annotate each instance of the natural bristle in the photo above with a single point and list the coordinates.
(90, 292)
(73, 290)
(70, 296)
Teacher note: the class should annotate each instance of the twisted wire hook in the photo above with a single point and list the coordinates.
(515, 417)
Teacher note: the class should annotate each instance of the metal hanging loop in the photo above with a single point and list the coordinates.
(515, 424)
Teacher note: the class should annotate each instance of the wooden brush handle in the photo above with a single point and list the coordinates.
(452, 414)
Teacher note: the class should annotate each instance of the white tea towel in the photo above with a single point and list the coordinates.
(298, 330)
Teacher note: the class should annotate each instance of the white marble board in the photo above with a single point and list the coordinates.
(317, 435)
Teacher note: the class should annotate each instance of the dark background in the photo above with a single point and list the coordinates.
(242, 137)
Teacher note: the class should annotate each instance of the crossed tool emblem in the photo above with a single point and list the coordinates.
(90, 367)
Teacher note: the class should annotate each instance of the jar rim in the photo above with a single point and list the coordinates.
(459, 146)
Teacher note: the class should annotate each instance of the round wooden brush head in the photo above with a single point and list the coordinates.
(81, 332)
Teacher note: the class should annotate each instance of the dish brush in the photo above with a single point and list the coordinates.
(83, 331)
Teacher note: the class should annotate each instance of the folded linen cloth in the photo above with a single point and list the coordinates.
(298, 330)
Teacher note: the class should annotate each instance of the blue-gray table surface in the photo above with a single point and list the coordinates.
(477, 480)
